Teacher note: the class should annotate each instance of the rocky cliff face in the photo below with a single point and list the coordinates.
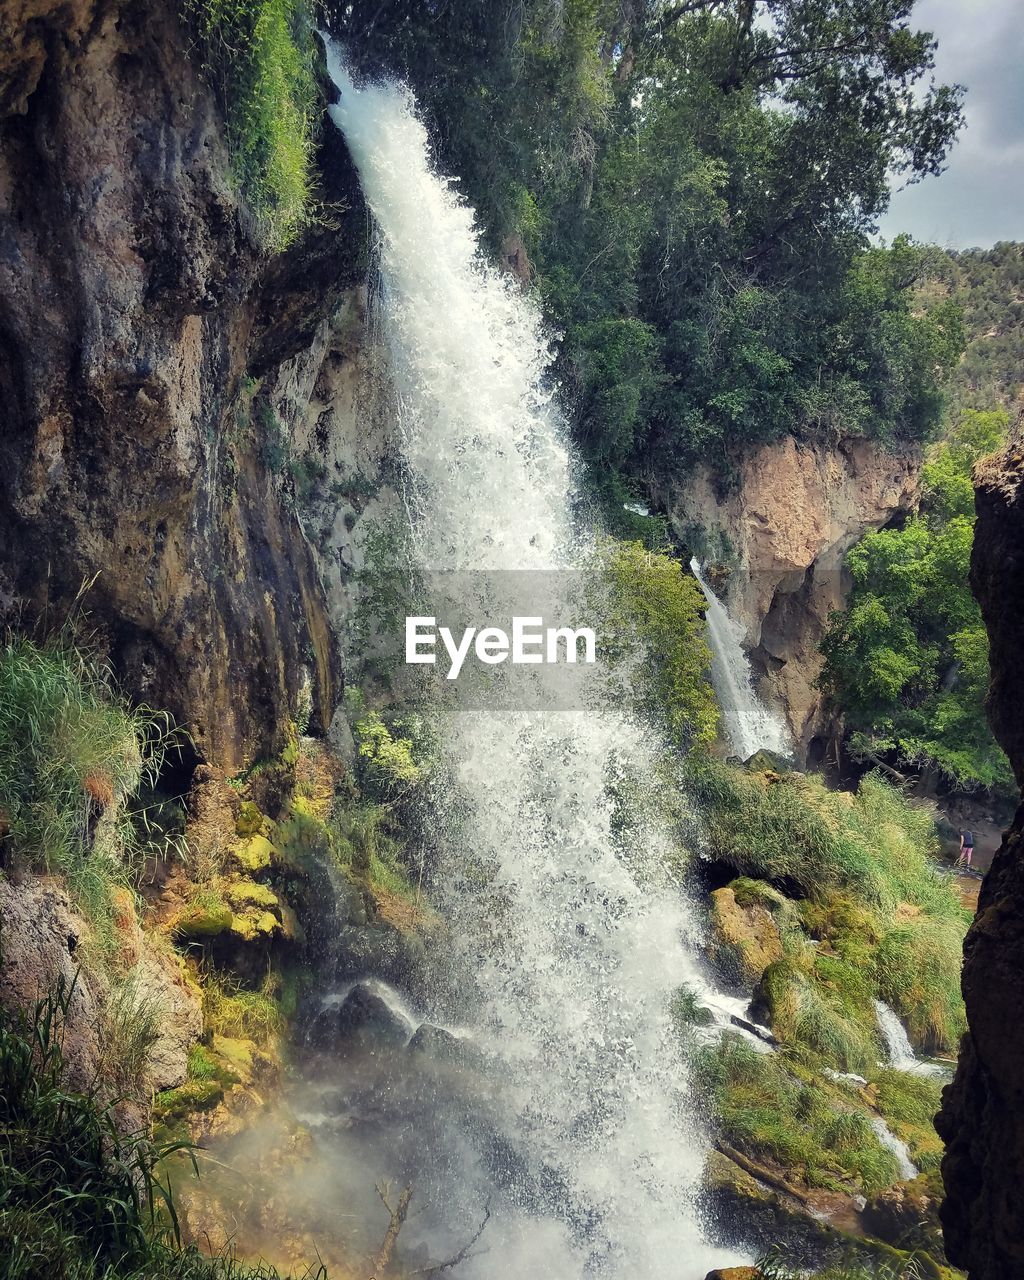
(784, 529)
(982, 1117)
(140, 470)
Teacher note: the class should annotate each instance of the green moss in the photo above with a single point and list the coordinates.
(254, 854)
(249, 821)
(254, 925)
(247, 893)
(202, 920)
(194, 1095)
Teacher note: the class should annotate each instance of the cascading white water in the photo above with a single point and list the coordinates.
(749, 725)
(573, 945)
(897, 1043)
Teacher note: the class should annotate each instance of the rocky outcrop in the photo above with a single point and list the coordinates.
(47, 943)
(982, 1117)
(784, 529)
(138, 323)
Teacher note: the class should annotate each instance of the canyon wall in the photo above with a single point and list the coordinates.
(982, 1117)
(782, 531)
(146, 483)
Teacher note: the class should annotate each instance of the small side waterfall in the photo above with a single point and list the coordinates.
(897, 1044)
(749, 725)
(570, 939)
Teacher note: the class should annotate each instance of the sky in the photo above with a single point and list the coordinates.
(979, 199)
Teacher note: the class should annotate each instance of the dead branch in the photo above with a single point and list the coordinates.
(398, 1215)
(436, 1268)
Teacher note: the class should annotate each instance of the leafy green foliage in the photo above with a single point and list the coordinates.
(71, 755)
(907, 662)
(259, 55)
(655, 621)
(695, 184)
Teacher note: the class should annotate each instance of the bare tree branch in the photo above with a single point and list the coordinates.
(398, 1215)
(436, 1268)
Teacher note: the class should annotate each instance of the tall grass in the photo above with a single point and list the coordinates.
(71, 753)
(259, 54)
(78, 1199)
(864, 866)
(762, 1108)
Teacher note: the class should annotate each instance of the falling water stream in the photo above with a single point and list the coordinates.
(569, 940)
(748, 724)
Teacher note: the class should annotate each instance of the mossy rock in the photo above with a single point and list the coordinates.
(747, 938)
(255, 925)
(291, 928)
(200, 921)
(194, 1095)
(249, 821)
(767, 762)
(234, 1056)
(254, 854)
(247, 893)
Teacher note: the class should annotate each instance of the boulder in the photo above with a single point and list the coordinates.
(746, 939)
(363, 1020)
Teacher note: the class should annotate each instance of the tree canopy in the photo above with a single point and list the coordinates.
(907, 662)
(695, 184)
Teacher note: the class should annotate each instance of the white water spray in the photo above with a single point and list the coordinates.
(897, 1043)
(574, 939)
(749, 725)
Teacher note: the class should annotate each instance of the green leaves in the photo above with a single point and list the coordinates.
(655, 620)
(908, 661)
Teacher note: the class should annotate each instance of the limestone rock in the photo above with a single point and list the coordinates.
(746, 938)
(133, 302)
(41, 935)
(794, 513)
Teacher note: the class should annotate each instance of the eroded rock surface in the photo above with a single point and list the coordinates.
(135, 309)
(982, 1117)
(786, 526)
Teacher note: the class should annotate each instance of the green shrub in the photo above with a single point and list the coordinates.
(259, 55)
(71, 754)
(655, 630)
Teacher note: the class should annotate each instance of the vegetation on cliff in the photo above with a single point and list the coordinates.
(863, 911)
(907, 661)
(259, 55)
(72, 754)
(694, 185)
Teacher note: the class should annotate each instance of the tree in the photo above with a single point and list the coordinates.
(907, 662)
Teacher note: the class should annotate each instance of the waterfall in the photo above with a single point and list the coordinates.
(897, 1042)
(749, 725)
(898, 1046)
(569, 944)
